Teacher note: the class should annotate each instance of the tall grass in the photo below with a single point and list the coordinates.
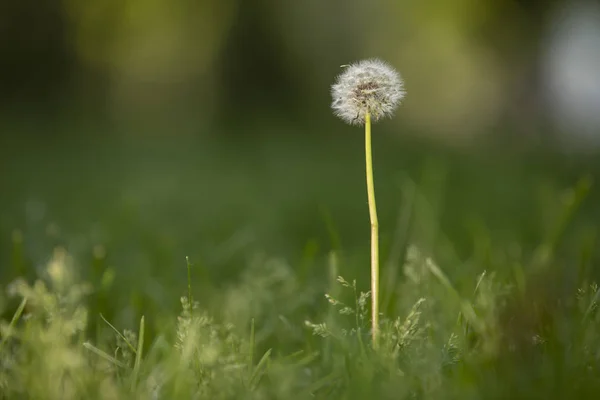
(524, 326)
(488, 272)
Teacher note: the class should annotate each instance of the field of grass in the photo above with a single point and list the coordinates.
(236, 266)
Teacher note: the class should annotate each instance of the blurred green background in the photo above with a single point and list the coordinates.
(136, 133)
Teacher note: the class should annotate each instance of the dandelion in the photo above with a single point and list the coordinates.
(366, 91)
(367, 88)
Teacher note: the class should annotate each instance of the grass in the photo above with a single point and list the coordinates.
(488, 285)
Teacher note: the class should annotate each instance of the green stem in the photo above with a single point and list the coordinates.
(189, 279)
(374, 235)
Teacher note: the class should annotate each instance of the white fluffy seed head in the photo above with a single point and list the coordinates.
(368, 85)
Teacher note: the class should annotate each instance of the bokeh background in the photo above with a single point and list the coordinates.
(138, 132)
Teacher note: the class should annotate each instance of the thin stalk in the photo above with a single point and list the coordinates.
(374, 235)
(189, 282)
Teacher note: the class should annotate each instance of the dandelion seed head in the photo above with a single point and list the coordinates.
(368, 85)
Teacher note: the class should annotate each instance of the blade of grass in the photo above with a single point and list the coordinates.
(307, 263)
(307, 359)
(357, 320)
(573, 203)
(321, 383)
(545, 252)
(466, 307)
(429, 195)
(592, 305)
(334, 237)
(252, 344)
(189, 281)
(138, 355)
(13, 322)
(119, 334)
(520, 277)
(461, 313)
(334, 291)
(103, 355)
(589, 244)
(259, 370)
(294, 355)
(398, 249)
(481, 278)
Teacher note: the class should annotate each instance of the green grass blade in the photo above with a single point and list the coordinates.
(119, 334)
(397, 251)
(13, 322)
(592, 305)
(334, 237)
(252, 344)
(260, 369)
(466, 307)
(321, 383)
(103, 355)
(479, 280)
(138, 355)
(572, 203)
(189, 281)
(304, 360)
